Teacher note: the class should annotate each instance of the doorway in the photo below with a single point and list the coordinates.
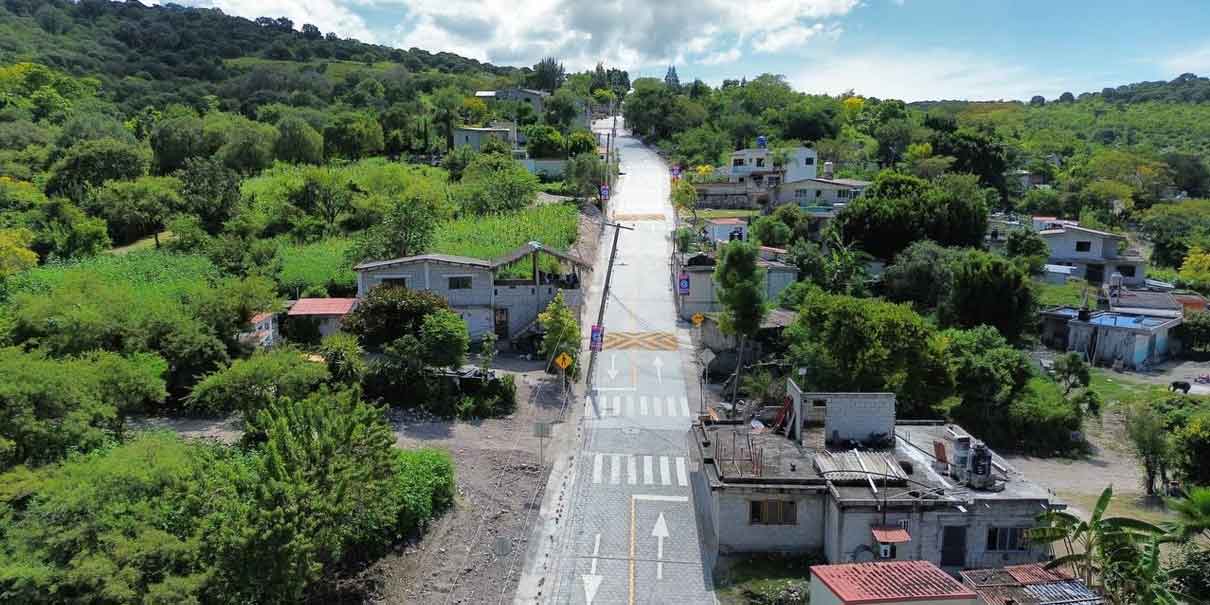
(1095, 274)
(953, 546)
(502, 324)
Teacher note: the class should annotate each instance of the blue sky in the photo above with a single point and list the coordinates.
(909, 49)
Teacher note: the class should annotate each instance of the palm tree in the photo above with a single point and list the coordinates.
(1193, 512)
(1091, 544)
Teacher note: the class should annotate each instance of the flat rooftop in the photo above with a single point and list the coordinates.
(753, 454)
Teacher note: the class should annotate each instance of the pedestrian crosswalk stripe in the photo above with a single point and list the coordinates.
(681, 476)
(631, 474)
(617, 406)
(647, 474)
(596, 468)
(665, 475)
(615, 469)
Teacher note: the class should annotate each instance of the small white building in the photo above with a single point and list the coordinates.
(702, 296)
(327, 312)
(820, 193)
(887, 583)
(756, 165)
(534, 98)
(476, 137)
(1096, 255)
(726, 229)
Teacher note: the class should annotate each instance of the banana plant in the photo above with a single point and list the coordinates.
(1193, 513)
(1090, 543)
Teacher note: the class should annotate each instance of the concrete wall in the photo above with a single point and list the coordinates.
(850, 537)
(551, 168)
(1063, 245)
(1112, 344)
(525, 301)
(434, 276)
(732, 507)
(702, 297)
(854, 415)
(815, 193)
(821, 594)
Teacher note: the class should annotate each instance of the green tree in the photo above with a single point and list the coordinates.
(252, 384)
(297, 142)
(344, 357)
(684, 198)
(561, 334)
(176, 139)
(991, 290)
(63, 231)
(581, 141)
(852, 344)
(548, 74)
(444, 336)
(446, 103)
(1148, 433)
(388, 313)
(1192, 447)
(15, 253)
(407, 228)
(134, 209)
(585, 173)
(90, 163)
(1193, 512)
(921, 274)
(353, 135)
(1071, 371)
(770, 231)
(1029, 247)
(51, 407)
(456, 161)
(495, 183)
(741, 291)
(989, 376)
(209, 191)
(248, 149)
(542, 141)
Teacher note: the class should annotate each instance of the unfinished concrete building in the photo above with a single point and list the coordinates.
(861, 487)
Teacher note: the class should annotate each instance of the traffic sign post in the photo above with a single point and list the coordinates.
(597, 340)
(682, 284)
(563, 360)
(698, 318)
(604, 192)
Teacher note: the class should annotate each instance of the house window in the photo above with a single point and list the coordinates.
(842, 194)
(772, 512)
(819, 193)
(801, 193)
(1007, 539)
(773, 181)
(394, 282)
(737, 162)
(760, 162)
(1126, 270)
(1083, 246)
(808, 162)
(460, 282)
(819, 403)
(887, 551)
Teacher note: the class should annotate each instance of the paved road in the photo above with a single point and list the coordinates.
(632, 534)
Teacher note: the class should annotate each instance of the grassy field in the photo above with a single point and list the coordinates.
(766, 580)
(1070, 294)
(316, 267)
(150, 271)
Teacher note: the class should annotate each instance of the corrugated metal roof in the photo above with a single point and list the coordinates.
(443, 258)
(891, 534)
(1034, 573)
(890, 580)
(322, 306)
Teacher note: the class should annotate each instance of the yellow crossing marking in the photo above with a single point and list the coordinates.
(647, 341)
(638, 217)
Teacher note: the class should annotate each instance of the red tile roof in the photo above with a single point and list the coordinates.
(259, 317)
(322, 306)
(890, 581)
(891, 535)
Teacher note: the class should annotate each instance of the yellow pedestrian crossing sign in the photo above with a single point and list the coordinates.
(563, 360)
(698, 318)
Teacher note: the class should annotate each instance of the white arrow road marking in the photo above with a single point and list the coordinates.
(613, 366)
(592, 582)
(659, 369)
(660, 531)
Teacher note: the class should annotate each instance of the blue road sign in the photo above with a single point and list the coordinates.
(597, 339)
(682, 284)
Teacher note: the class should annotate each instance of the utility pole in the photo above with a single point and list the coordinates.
(613, 253)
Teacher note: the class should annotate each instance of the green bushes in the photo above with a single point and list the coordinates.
(317, 486)
(252, 384)
(317, 269)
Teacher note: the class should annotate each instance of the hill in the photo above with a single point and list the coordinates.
(160, 55)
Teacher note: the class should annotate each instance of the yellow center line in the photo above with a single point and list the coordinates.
(632, 550)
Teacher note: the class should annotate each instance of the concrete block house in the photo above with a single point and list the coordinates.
(1096, 255)
(503, 295)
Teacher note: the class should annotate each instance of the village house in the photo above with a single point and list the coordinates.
(702, 295)
(534, 98)
(726, 229)
(863, 487)
(327, 313)
(1122, 340)
(887, 583)
(754, 180)
(503, 295)
(262, 331)
(1096, 255)
(476, 137)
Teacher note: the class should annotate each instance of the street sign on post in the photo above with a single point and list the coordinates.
(597, 339)
(682, 284)
(676, 170)
(604, 192)
(698, 318)
(563, 360)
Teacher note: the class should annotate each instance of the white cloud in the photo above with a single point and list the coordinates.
(1193, 60)
(328, 15)
(786, 37)
(730, 55)
(628, 33)
(930, 74)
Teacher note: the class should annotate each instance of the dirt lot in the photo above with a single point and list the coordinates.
(474, 553)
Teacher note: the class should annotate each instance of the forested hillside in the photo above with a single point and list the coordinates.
(167, 175)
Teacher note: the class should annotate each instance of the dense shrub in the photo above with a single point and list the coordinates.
(251, 384)
(388, 313)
